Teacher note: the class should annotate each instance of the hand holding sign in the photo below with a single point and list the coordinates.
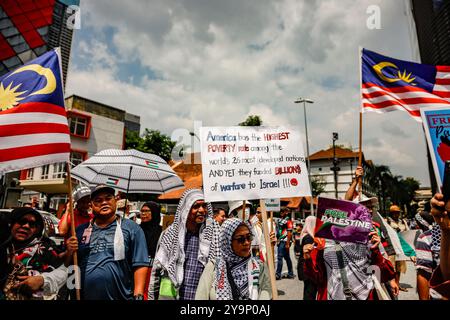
(342, 220)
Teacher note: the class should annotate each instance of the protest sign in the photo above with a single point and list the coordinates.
(273, 205)
(436, 123)
(342, 220)
(249, 163)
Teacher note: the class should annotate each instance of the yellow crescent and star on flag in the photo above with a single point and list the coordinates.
(378, 68)
(11, 95)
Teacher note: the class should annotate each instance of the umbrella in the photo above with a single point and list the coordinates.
(130, 171)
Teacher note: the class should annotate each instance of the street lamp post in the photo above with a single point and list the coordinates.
(304, 101)
(335, 167)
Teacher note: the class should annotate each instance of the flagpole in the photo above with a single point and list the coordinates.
(269, 253)
(72, 229)
(360, 121)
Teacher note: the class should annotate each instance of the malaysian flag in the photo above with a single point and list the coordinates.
(389, 84)
(33, 121)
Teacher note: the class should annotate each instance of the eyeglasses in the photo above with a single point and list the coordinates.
(144, 211)
(241, 239)
(198, 205)
(31, 223)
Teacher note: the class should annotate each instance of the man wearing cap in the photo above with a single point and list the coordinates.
(82, 198)
(113, 255)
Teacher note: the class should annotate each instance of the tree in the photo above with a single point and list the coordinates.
(252, 121)
(152, 141)
(318, 185)
(390, 189)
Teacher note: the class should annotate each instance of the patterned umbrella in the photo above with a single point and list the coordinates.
(130, 171)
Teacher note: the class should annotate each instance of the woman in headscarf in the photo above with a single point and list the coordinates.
(343, 270)
(307, 237)
(235, 275)
(29, 252)
(184, 249)
(150, 224)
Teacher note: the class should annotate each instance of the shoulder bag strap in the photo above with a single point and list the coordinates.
(340, 258)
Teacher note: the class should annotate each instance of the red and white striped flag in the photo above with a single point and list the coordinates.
(389, 84)
(33, 121)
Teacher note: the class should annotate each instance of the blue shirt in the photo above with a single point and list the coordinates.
(103, 278)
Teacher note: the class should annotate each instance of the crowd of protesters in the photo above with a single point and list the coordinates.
(215, 254)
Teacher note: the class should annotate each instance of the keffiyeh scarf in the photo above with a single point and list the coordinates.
(170, 253)
(356, 267)
(243, 272)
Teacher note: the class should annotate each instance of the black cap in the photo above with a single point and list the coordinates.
(102, 188)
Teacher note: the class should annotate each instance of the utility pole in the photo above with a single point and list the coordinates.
(335, 167)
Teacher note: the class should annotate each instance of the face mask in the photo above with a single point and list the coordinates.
(247, 213)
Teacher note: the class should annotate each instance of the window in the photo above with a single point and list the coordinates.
(59, 169)
(79, 124)
(30, 174)
(77, 157)
(45, 170)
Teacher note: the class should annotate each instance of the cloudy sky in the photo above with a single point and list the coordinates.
(174, 62)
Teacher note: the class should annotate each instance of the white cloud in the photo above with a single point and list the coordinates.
(220, 61)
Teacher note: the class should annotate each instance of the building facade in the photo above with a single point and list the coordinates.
(93, 127)
(321, 172)
(432, 20)
(29, 28)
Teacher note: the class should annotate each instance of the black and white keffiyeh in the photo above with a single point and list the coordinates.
(435, 238)
(170, 254)
(245, 272)
(356, 267)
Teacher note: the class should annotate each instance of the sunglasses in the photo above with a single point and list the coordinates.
(31, 223)
(198, 205)
(146, 211)
(241, 239)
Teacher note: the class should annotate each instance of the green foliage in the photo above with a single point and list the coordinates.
(391, 189)
(252, 121)
(152, 141)
(317, 185)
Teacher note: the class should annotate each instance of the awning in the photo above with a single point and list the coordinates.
(48, 186)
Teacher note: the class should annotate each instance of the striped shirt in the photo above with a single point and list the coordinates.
(193, 269)
(428, 257)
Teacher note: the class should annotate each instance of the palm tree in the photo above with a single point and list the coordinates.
(377, 178)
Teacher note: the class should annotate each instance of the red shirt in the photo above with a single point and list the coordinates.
(79, 219)
(315, 270)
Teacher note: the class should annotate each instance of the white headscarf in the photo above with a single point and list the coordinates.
(170, 253)
(308, 227)
(244, 271)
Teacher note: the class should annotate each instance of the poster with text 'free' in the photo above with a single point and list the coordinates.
(436, 123)
(247, 163)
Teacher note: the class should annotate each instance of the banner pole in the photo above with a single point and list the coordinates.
(73, 233)
(243, 210)
(271, 266)
(272, 246)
